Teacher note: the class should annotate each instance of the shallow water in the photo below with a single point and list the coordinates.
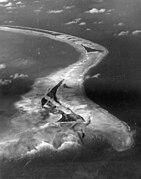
(23, 59)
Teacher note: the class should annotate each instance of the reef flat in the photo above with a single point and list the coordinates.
(56, 114)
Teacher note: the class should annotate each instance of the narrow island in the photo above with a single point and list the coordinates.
(58, 111)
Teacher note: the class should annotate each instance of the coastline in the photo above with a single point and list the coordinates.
(116, 132)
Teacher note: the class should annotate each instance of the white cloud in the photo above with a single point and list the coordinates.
(8, 4)
(37, 11)
(71, 22)
(4, 82)
(16, 75)
(95, 11)
(54, 11)
(2, 66)
(68, 7)
(108, 13)
(19, 3)
(8, 22)
(98, 22)
(82, 23)
(123, 33)
(1, 1)
(120, 24)
(110, 10)
(75, 21)
(99, 1)
(136, 32)
(10, 8)
(102, 10)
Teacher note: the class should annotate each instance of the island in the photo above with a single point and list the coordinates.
(58, 111)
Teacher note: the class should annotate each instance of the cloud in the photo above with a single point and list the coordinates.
(82, 23)
(123, 33)
(75, 21)
(88, 29)
(16, 75)
(10, 7)
(55, 11)
(95, 11)
(98, 22)
(98, 1)
(121, 24)
(19, 3)
(136, 32)
(37, 11)
(8, 22)
(8, 4)
(68, 7)
(110, 10)
(2, 66)
(4, 82)
(1, 1)
(71, 22)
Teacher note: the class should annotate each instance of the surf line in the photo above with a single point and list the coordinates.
(71, 93)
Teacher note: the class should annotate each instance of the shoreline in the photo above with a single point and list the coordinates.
(103, 124)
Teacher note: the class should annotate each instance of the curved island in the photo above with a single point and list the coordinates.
(57, 109)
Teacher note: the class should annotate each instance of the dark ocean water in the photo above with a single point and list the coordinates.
(118, 88)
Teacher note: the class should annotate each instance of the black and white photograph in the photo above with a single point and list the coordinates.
(70, 89)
